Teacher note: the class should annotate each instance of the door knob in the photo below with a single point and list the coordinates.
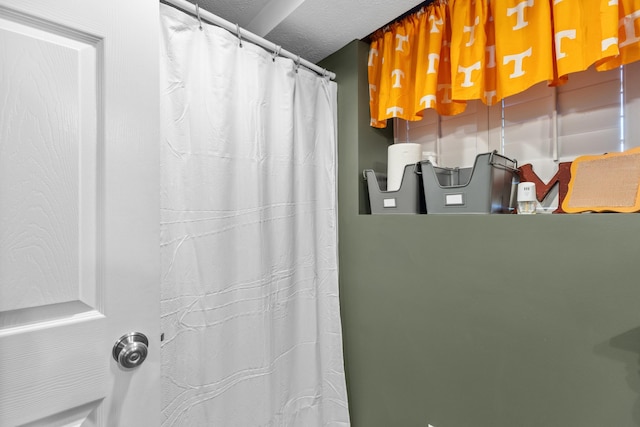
(131, 350)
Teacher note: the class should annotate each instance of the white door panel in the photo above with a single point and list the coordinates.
(79, 218)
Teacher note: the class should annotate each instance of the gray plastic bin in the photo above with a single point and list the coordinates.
(408, 199)
(487, 187)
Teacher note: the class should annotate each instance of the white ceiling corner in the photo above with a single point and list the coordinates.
(313, 29)
(271, 15)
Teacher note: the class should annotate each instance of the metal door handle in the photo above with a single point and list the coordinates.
(131, 350)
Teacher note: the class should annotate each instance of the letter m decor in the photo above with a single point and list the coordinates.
(562, 178)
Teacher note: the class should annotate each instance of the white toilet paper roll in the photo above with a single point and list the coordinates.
(398, 156)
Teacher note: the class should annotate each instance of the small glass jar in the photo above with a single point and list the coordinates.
(527, 202)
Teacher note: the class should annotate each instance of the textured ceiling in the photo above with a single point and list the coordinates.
(313, 29)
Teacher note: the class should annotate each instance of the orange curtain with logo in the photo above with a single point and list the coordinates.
(455, 51)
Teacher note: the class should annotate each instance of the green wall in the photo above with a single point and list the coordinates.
(480, 320)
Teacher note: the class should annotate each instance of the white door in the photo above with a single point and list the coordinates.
(79, 211)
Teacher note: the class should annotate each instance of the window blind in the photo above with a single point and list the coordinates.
(593, 113)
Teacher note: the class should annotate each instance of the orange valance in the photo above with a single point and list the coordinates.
(451, 52)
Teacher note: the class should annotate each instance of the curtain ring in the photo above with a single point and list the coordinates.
(276, 52)
(239, 34)
(198, 16)
(297, 63)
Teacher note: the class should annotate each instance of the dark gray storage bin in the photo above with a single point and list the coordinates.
(487, 187)
(408, 199)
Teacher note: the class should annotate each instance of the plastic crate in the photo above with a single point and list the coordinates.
(487, 187)
(408, 199)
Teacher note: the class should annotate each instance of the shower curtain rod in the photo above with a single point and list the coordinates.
(247, 35)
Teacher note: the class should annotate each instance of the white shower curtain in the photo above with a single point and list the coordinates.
(250, 312)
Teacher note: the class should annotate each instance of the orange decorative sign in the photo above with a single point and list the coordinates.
(605, 183)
